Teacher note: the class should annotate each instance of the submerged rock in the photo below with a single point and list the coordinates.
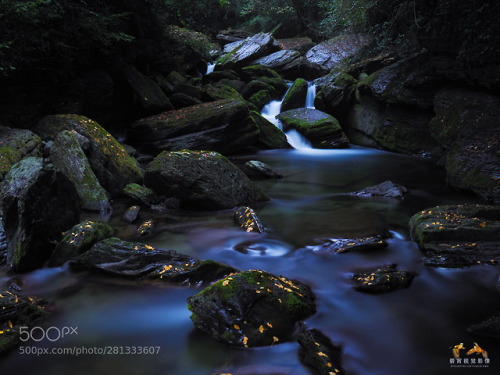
(295, 96)
(381, 279)
(110, 162)
(458, 235)
(248, 220)
(321, 129)
(224, 126)
(318, 353)
(256, 169)
(16, 311)
(145, 229)
(15, 145)
(343, 245)
(488, 328)
(135, 260)
(386, 189)
(201, 179)
(78, 240)
(252, 308)
(38, 204)
(131, 214)
(67, 155)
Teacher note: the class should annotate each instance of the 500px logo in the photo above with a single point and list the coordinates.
(53, 334)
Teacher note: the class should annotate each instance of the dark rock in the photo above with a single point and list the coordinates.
(233, 45)
(321, 129)
(343, 245)
(458, 235)
(78, 240)
(16, 311)
(224, 126)
(381, 279)
(141, 194)
(252, 308)
(257, 71)
(295, 96)
(175, 79)
(113, 167)
(278, 84)
(15, 145)
(139, 261)
(145, 229)
(190, 90)
(180, 100)
(203, 179)
(301, 45)
(270, 136)
(248, 220)
(38, 203)
(235, 84)
(278, 60)
(219, 75)
(67, 155)
(3, 244)
(319, 354)
(163, 83)
(213, 93)
(337, 96)
(232, 35)
(254, 87)
(258, 170)
(260, 99)
(466, 126)
(386, 189)
(148, 93)
(250, 49)
(488, 328)
(131, 214)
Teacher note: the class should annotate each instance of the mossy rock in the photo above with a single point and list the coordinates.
(319, 354)
(16, 144)
(295, 96)
(260, 99)
(256, 71)
(279, 86)
(213, 93)
(78, 240)
(219, 75)
(252, 308)
(381, 279)
(110, 162)
(270, 136)
(254, 87)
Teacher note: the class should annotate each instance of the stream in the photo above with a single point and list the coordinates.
(409, 331)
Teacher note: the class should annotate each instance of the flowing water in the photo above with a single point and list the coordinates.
(210, 68)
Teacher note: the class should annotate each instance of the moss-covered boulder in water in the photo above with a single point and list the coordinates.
(15, 144)
(79, 239)
(67, 155)
(201, 179)
(319, 354)
(260, 99)
(270, 136)
(321, 129)
(458, 235)
(337, 96)
(295, 96)
(254, 87)
(136, 260)
(110, 162)
(224, 126)
(38, 204)
(252, 308)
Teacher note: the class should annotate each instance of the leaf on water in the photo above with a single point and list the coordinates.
(236, 327)
(261, 329)
(482, 225)
(10, 324)
(321, 354)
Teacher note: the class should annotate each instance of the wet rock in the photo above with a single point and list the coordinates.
(145, 229)
(260, 99)
(278, 60)
(67, 155)
(224, 126)
(296, 96)
(248, 220)
(3, 244)
(38, 203)
(250, 49)
(190, 90)
(219, 75)
(150, 96)
(233, 45)
(337, 96)
(321, 129)
(270, 136)
(252, 308)
(175, 79)
(136, 260)
(343, 245)
(232, 35)
(488, 328)
(257, 71)
(254, 87)
(180, 100)
(131, 214)
(15, 145)
(458, 235)
(386, 189)
(382, 279)
(113, 167)
(147, 197)
(279, 86)
(214, 93)
(332, 53)
(16, 311)
(78, 240)
(258, 170)
(301, 45)
(203, 179)
(319, 354)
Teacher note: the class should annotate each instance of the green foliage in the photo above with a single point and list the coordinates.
(342, 15)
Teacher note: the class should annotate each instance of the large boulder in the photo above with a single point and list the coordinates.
(301, 45)
(38, 204)
(252, 308)
(110, 162)
(270, 136)
(67, 155)
(278, 60)
(295, 96)
(16, 144)
(337, 95)
(458, 235)
(201, 179)
(250, 49)
(136, 260)
(321, 129)
(224, 126)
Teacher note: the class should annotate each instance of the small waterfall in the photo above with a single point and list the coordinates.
(311, 94)
(271, 110)
(297, 141)
(210, 68)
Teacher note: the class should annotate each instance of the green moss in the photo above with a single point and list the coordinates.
(260, 98)
(368, 81)
(8, 157)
